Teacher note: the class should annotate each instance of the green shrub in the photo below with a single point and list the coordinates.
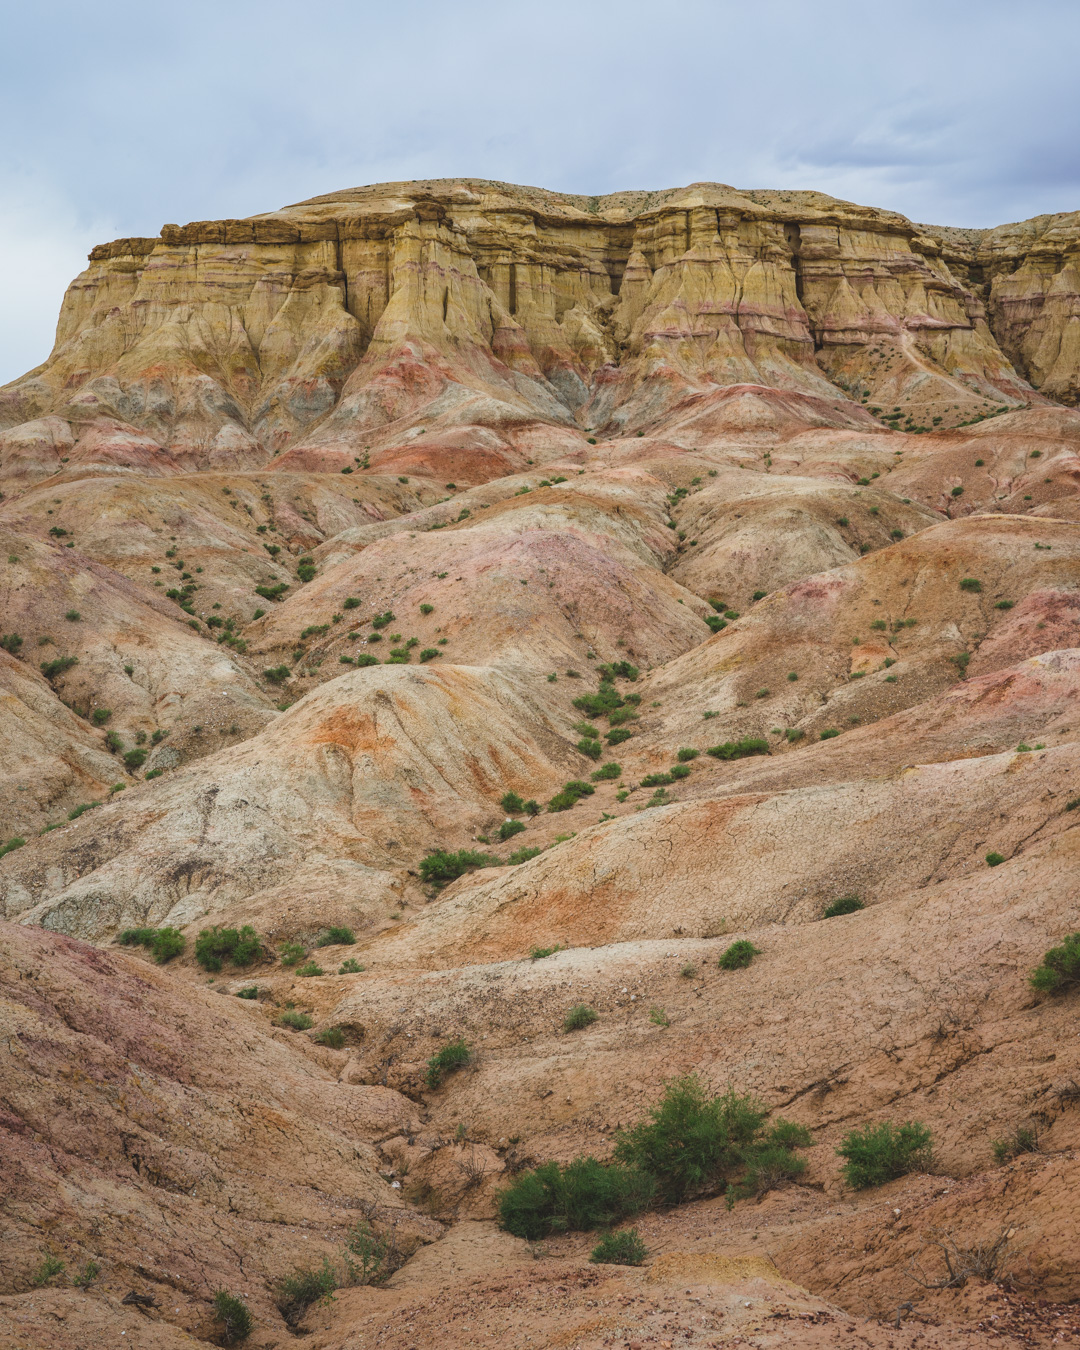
(215, 946)
(73, 616)
(686, 753)
(453, 1056)
(585, 1194)
(16, 841)
(606, 772)
(50, 1267)
(747, 745)
(624, 1248)
(294, 1294)
(738, 955)
(135, 759)
(1060, 968)
(579, 1017)
(335, 937)
(618, 735)
(571, 793)
(429, 653)
(50, 669)
(136, 937)
(309, 969)
(589, 748)
(334, 1037)
(232, 1313)
(538, 953)
(622, 670)
(441, 866)
(363, 659)
(880, 1153)
(11, 642)
(829, 733)
(509, 828)
(101, 716)
(691, 1143)
(79, 810)
(522, 855)
(350, 967)
(252, 991)
(995, 859)
(1025, 1139)
(847, 904)
(604, 701)
(655, 779)
(297, 1021)
(970, 584)
(86, 1277)
(291, 953)
(512, 803)
(618, 716)
(1005, 604)
(351, 602)
(678, 771)
(272, 592)
(370, 1250)
(305, 569)
(167, 943)
(383, 620)
(277, 674)
(427, 609)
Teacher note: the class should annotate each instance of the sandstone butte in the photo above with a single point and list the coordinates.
(317, 529)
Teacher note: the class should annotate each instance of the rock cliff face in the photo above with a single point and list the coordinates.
(330, 328)
(503, 601)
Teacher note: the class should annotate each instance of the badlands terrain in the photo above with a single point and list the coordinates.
(333, 538)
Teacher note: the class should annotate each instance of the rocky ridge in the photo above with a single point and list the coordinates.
(322, 531)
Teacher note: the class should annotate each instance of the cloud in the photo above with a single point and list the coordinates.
(121, 116)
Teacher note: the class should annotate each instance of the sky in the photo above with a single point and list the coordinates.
(120, 116)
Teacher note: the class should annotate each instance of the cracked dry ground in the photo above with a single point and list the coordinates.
(318, 530)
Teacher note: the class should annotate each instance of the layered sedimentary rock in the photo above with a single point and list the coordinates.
(331, 327)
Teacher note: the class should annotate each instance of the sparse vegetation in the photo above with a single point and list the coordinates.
(350, 966)
(740, 749)
(452, 1057)
(570, 794)
(50, 1267)
(579, 1017)
(440, 866)
(215, 946)
(622, 1248)
(1059, 970)
(738, 956)
(295, 1293)
(335, 937)
(1024, 1139)
(847, 904)
(296, 1021)
(880, 1153)
(585, 1194)
(970, 584)
(163, 943)
(236, 1321)
(334, 1037)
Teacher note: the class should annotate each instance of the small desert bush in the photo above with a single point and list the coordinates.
(1059, 970)
(747, 745)
(232, 1313)
(570, 795)
(1024, 1139)
(334, 1037)
(686, 753)
(350, 967)
(738, 955)
(163, 943)
(970, 584)
(522, 855)
(215, 946)
(336, 937)
(880, 1153)
(509, 828)
(50, 1267)
(366, 1254)
(538, 953)
(441, 866)
(291, 953)
(296, 1021)
(606, 771)
(692, 1144)
(847, 904)
(295, 1293)
(579, 1017)
(512, 803)
(624, 1248)
(453, 1056)
(310, 968)
(252, 991)
(583, 1195)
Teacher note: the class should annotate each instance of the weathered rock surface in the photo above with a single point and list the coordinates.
(318, 533)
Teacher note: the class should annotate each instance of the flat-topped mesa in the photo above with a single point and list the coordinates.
(470, 307)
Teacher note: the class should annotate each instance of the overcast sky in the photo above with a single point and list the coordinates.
(119, 116)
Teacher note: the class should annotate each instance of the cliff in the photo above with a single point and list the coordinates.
(481, 307)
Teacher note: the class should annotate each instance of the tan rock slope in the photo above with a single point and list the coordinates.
(753, 515)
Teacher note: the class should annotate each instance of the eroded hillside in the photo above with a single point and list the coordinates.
(502, 603)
